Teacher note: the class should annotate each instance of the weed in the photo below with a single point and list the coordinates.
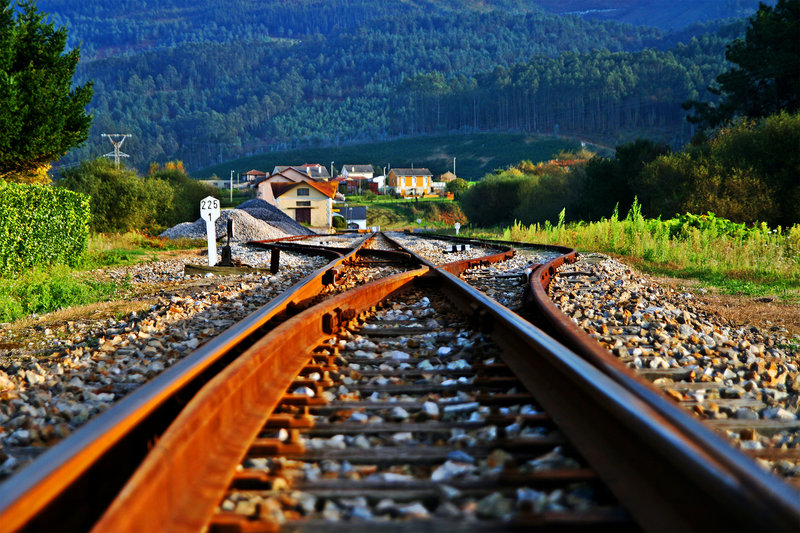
(42, 290)
(755, 261)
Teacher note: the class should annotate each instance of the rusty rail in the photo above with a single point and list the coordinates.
(738, 487)
(706, 465)
(68, 486)
(180, 483)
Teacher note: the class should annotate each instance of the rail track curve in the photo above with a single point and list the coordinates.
(244, 419)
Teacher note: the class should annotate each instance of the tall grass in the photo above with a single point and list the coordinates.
(754, 260)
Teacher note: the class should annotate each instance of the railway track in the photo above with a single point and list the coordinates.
(385, 392)
(723, 381)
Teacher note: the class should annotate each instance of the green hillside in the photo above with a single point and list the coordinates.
(476, 154)
(205, 82)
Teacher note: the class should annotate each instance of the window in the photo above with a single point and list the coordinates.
(303, 203)
(302, 192)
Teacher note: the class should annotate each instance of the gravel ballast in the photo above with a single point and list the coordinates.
(745, 382)
(80, 368)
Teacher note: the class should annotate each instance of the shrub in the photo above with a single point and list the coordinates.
(120, 200)
(40, 224)
(458, 186)
(187, 194)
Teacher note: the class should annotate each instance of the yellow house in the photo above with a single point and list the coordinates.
(410, 181)
(308, 202)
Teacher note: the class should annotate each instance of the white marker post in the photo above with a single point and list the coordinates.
(457, 225)
(209, 211)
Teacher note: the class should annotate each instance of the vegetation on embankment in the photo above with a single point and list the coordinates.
(746, 171)
(736, 259)
(392, 213)
(48, 288)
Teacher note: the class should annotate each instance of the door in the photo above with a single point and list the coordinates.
(303, 215)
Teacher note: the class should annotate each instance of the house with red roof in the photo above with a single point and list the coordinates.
(252, 175)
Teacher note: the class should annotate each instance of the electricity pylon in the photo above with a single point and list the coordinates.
(117, 153)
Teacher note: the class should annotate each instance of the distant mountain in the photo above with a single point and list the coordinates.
(205, 81)
(663, 14)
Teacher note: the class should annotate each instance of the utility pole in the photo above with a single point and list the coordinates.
(117, 153)
(231, 186)
(454, 167)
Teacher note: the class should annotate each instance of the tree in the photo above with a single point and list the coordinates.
(41, 115)
(765, 78)
(120, 200)
(457, 187)
(187, 193)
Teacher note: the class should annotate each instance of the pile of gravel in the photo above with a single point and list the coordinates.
(246, 228)
(262, 210)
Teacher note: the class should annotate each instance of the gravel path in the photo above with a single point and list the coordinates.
(83, 366)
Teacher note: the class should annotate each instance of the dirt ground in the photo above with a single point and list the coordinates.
(768, 314)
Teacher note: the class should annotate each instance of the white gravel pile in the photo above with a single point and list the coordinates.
(246, 228)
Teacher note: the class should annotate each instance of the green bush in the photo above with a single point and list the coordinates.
(746, 172)
(458, 186)
(39, 225)
(187, 194)
(339, 222)
(120, 200)
(718, 226)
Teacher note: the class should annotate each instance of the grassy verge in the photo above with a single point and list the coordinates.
(42, 290)
(728, 257)
(45, 289)
(129, 248)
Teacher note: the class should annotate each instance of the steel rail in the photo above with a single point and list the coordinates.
(180, 483)
(641, 456)
(704, 467)
(67, 487)
(765, 496)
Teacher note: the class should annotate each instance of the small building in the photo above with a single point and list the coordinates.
(447, 177)
(355, 217)
(263, 186)
(380, 184)
(252, 175)
(358, 171)
(410, 181)
(307, 202)
(439, 188)
(312, 170)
